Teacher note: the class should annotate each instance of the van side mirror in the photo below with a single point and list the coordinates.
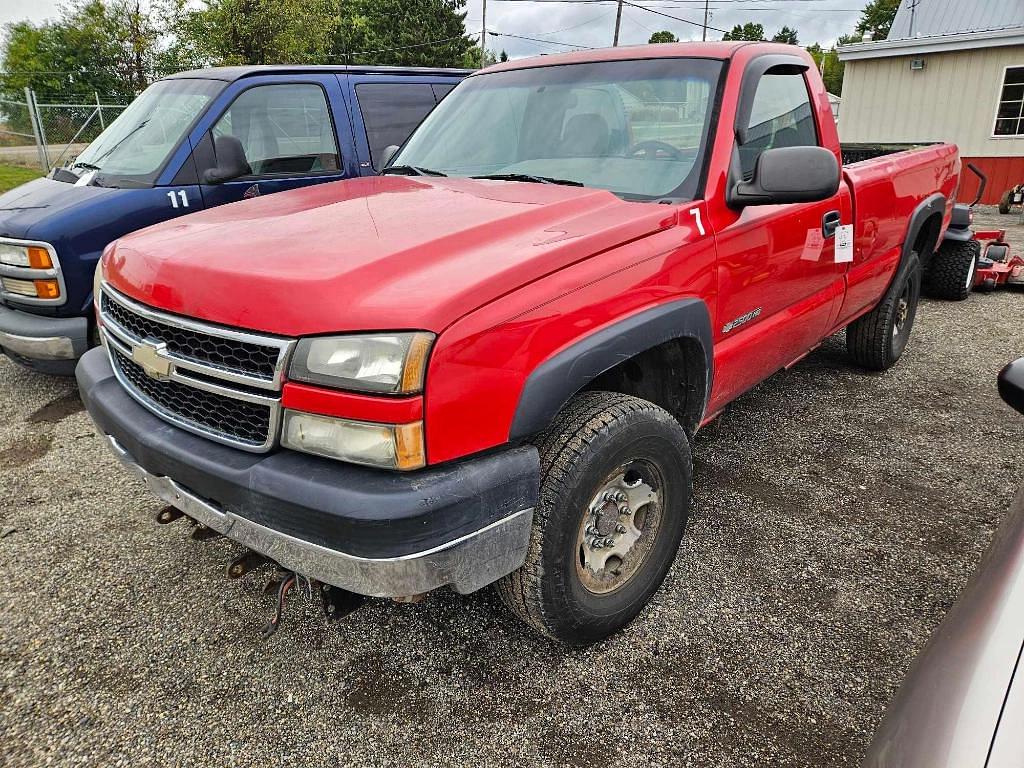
(387, 155)
(1011, 385)
(788, 175)
(231, 161)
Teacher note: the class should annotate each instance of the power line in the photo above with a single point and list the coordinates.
(538, 40)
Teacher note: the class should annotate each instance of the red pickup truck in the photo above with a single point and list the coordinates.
(488, 364)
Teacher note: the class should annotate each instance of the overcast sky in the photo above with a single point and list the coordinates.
(592, 23)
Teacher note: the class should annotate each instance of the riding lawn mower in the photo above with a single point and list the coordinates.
(968, 260)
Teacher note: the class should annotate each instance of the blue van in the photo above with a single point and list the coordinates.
(188, 142)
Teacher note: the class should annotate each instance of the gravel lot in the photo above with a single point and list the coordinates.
(837, 516)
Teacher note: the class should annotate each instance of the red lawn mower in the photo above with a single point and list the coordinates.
(968, 260)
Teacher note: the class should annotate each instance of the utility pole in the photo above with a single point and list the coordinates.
(618, 23)
(483, 37)
(913, 7)
(704, 33)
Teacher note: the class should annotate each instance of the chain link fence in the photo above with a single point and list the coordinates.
(50, 133)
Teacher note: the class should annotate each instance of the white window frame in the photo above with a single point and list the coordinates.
(999, 101)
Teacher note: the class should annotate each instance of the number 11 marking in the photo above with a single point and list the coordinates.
(175, 195)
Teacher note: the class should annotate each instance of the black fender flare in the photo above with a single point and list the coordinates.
(550, 386)
(935, 203)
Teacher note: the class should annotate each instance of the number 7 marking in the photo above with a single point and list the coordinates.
(695, 212)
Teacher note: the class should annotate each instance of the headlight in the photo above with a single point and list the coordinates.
(30, 256)
(394, 363)
(390, 446)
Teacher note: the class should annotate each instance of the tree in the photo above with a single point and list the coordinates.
(748, 31)
(403, 32)
(786, 35)
(877, 18)
(663, 37)
(830, 66)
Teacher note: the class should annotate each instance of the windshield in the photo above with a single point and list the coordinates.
(137, 144)
(637, 128)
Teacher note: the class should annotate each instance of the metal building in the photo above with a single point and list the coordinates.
(950, 70)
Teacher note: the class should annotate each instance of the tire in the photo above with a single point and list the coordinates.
(876, 340)
(569, 589)
(951, 272)
(1004, 201)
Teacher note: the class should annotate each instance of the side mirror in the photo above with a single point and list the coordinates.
(788, 175)
(387, 155)
(1011, 385)
(231, 161)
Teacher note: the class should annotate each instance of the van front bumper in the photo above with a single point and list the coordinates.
(377, 533)
(46, 344)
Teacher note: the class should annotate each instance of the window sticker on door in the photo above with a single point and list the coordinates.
(844, 243)
(812, 245)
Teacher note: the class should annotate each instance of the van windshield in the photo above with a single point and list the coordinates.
(136, 145)
(638, 128)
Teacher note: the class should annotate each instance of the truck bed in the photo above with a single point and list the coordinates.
(858, 153)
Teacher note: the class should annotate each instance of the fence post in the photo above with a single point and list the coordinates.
(37, 128)
(99, 110)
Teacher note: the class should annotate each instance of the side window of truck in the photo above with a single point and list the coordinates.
(283, 129)
(390, 113)
(781, 116)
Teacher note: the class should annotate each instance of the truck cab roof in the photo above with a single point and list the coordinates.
(231, 74)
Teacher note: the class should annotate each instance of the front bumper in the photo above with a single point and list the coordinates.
(46, 344)
(377, 533)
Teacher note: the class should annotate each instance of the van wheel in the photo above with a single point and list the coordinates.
(876, 340)
(614, 497)
(951, 272)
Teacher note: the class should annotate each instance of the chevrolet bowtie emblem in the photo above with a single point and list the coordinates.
(147, 355)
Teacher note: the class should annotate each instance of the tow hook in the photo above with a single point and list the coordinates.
(246, 563)
(169, 515)
(339, 603)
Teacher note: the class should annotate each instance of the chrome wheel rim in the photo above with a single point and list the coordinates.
(970, 274)
(619, 527)
(902, 311)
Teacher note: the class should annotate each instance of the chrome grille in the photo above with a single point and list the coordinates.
(231, 419)
(234, 355)
(214, 381)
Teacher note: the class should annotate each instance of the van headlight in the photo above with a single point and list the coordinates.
(392, 363)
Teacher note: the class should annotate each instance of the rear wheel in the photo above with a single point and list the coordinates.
(876, 340)
(952, 269)
(1004, 201)
(614, 496)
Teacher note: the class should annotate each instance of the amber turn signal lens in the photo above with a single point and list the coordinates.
(47, 289)
(39, 258)
(410, 452)
(415, 369)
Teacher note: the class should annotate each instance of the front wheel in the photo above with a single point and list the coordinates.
(1004, 201)
(952, 269)
(614, 497)
(876, 340)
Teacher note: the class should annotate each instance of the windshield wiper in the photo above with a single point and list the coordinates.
(83, 164)
(411, 170)
(530, 178)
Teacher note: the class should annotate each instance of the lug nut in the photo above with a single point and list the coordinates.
(609, 542)
(596, 544)
(620, 496)
(620, 528)
(624, 510)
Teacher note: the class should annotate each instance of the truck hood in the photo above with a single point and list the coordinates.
(24, 209)
(383, 253)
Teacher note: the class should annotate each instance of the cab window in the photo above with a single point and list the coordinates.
(283, 129)
(781, 116)
(390, 113)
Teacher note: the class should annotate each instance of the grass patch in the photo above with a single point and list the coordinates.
(13, 175)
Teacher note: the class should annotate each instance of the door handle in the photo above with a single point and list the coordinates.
(830, 223)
